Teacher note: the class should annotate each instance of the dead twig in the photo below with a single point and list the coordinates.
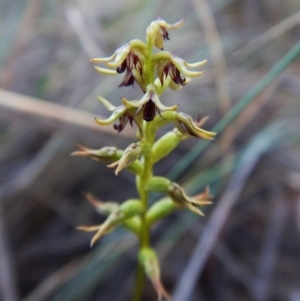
(268, 36)
(269, 253)
(13, 106)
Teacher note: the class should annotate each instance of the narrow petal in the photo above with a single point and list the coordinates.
(176, 25)
(119, 60)
(137, 103)
(106, 103)
(114, 164)
(119, 56)
(113, 117)
(103, 60)
(97, 236)
(194, 209)
(105, 71)
(89, 228)
(160, 106)
(194, 65)
(180, 65)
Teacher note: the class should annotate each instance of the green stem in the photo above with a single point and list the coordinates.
(145, 228)
(149, 71)
(148, 137)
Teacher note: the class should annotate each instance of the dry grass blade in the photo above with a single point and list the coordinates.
(270, 250)
(220, 71)
(216, 222)
(216, 51)
(52, 283)
(76, 20)
(13, 106)
(268, 36)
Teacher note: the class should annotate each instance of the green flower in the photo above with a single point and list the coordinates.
(130, 58)
(120, 115)
(149, 104)
(157, 31)
(179, 197)
(130, 155)
(117, 214)
(149, 261)
(104, 154)
(186, 126)
(168, 64)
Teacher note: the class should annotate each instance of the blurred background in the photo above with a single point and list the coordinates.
(248, 245)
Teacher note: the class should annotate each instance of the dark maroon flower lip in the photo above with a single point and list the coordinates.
(149, 104)
(174, 67)
(170, 69)
(128, 79)
(131, 61)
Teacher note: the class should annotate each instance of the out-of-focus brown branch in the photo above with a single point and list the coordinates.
(14, 106)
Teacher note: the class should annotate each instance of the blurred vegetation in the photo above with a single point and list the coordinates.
(247, 247)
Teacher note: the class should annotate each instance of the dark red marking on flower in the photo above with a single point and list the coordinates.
(122, 123)
(176, 76)
(149, 111)
(122, 67)
(170, 69)
(186, 129)
(164, 33)
(128, 79)
(137, 64)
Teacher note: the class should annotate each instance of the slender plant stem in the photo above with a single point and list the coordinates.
(145, 229)
(148, 137)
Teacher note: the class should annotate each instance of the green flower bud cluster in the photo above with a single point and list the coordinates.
(153, 73)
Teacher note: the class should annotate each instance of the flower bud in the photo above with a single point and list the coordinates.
(149, 260)
(178, 195)
(104, 154)
(131, 207)
(124, 214)
(159, 210)
(165, 145)
(104, 208)
(112, 221)
(131, 153)
(159, 184)
(186, 126)
(157, 31)
(133, 224)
